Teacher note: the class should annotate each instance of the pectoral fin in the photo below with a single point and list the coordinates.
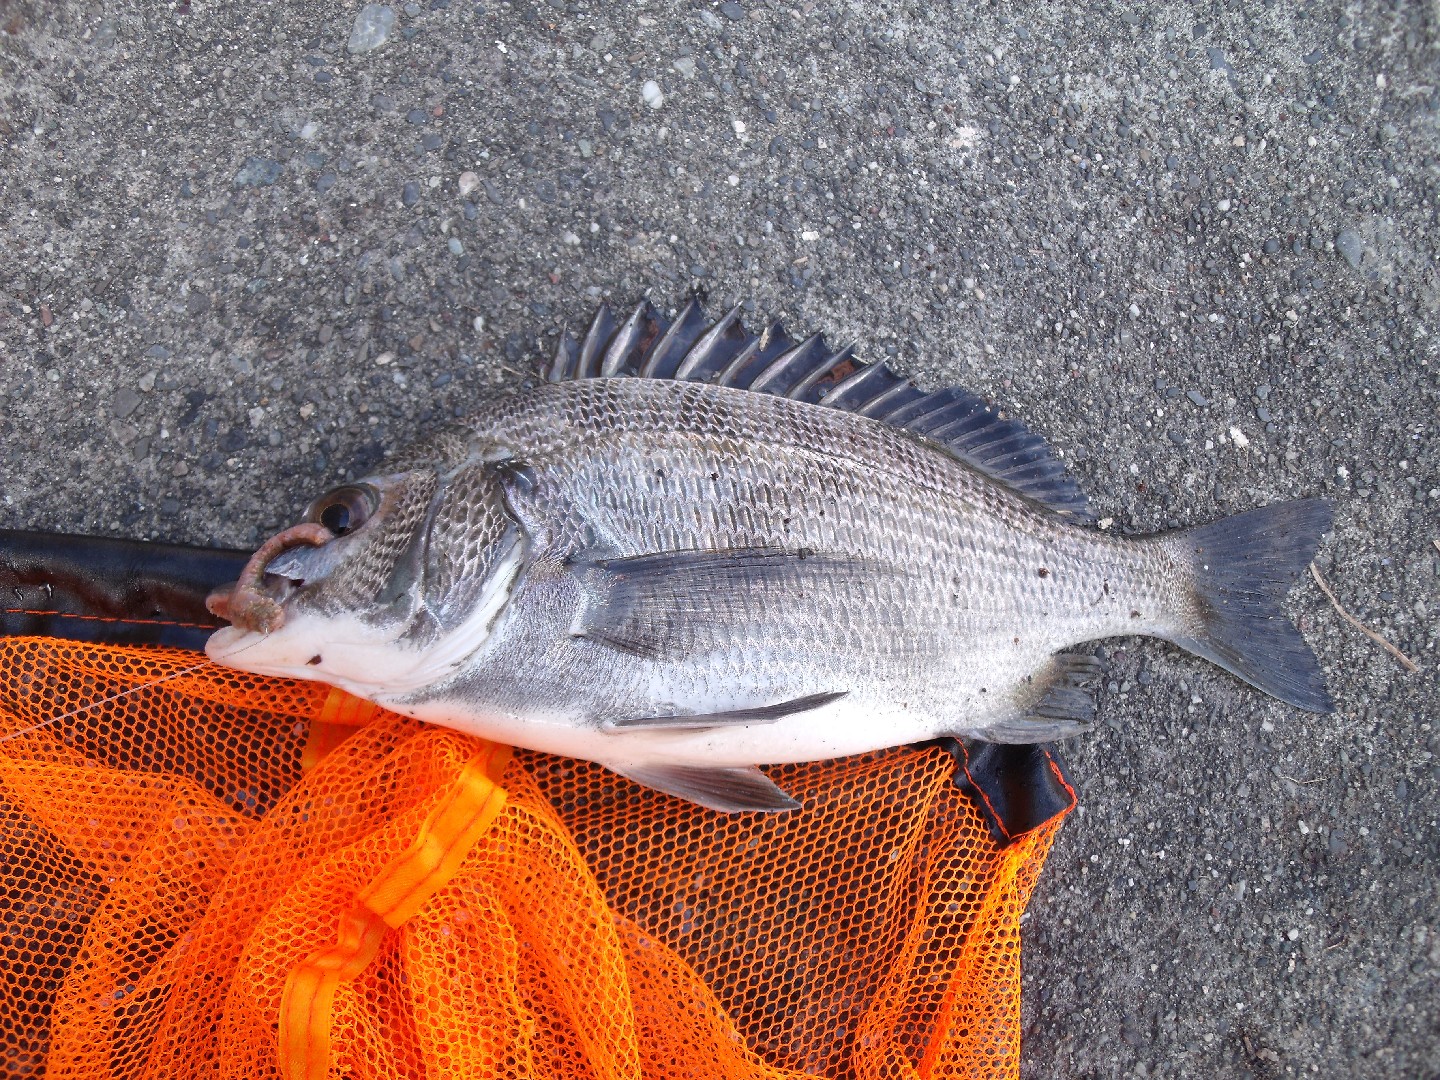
(662, 605)
(729, 790)
(1059, 704)
(762, 714)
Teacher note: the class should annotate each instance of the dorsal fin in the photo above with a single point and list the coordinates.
(674, 342)
(602, 328)
(632, 341)
(714, 349)
(692, 349)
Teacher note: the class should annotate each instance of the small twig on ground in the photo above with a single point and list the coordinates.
(1405, 661)
(1436, 543)
(1299, 783)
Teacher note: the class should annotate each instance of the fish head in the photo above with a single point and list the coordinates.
(396, 587)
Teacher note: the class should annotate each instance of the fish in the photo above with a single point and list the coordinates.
(689, 550)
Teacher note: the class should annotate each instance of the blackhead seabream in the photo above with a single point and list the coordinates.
(691, 551)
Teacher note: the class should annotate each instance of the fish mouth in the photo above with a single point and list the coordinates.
(255, 601)
(226, 642)
(272, 587)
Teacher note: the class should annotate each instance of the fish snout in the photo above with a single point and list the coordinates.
(255, 601)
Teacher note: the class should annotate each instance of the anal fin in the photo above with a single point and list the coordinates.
(1060, 705)
(730, 789)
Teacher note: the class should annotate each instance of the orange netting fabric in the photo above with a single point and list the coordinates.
(223, 875)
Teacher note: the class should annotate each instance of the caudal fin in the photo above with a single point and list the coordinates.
(1243, 566)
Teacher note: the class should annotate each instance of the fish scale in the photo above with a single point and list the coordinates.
(966, 554)
(637, 565)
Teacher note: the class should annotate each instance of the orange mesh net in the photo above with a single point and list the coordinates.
(207, 873)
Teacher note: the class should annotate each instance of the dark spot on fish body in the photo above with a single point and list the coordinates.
(1042, 572)
(1134, 614)
(314, 661)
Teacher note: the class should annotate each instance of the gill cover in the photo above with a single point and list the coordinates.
(421, 565)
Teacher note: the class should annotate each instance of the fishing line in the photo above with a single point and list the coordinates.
(207, 662)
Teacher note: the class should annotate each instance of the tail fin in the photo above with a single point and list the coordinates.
(1243, 566)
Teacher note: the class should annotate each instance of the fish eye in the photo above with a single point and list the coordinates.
(345, 509)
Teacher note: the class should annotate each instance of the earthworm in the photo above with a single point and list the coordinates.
(242, 603)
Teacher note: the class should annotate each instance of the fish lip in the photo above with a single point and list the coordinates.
(231, 647)
(227, 641)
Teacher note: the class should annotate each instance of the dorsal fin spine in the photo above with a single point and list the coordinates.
(777, 369)
(866, 373)
(701, 351)
(745, 356)
(563, 366)
(658, 354)
(877, 406)
(831, 362)
(602, 326)
(623, 341)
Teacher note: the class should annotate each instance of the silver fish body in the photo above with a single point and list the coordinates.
(683, 580)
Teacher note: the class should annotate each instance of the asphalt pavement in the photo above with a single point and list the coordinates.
(250, 248)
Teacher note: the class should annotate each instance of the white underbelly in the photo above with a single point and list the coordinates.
(846, 726)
